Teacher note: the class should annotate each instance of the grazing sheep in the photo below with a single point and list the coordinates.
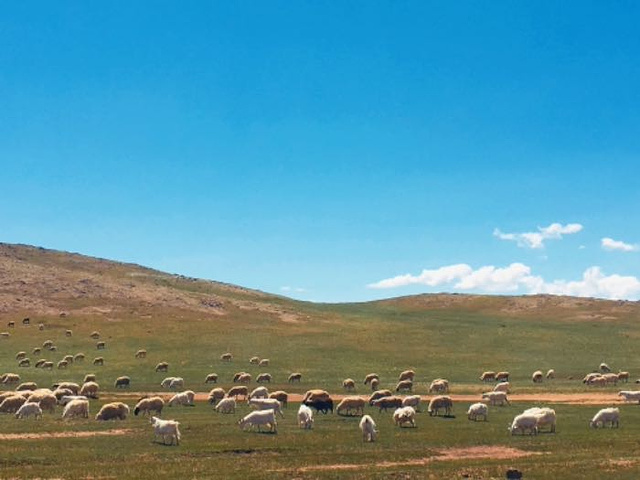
(113, 411)
(502, 387)
(62, 364)
(315, 394)
(5, 334)
(100, 345)
(264, 362)
(439, 403)
(496, 398)
(546, 417)
(281, 396)
(370, 377)
(172, 383)
(259, 392)
(238, 391)
(406, 375)
(74, 387)
(611, 378)
(258, 419)
(148, 405)
(211, 378)
(89, 377)
(604, 416)
(537, 377)
(46, 400)
(524, 422)
(604, 368)
(439, 385)
(40, 363)
(237, 375)
(630, 396)
(502, 376)
(90, 390)
(404, 415)
(9, 378)
(226, 357)
(368, 429)
(412, 401)
(79, 357)
(69, 398)
(599, 381)
(76, 408)
(27, 386)
(295, 377)
(29, 408)
(320, 405)
(246, 378)
(95, 335)
(162, 367)
(404, 386)
(98, 361)
(623, 376)
(122, 382)
(226, 405)
(216, 395)
(166, 428)
(141, 354)
(53, 348)
(374, 384)
(9, 394)
(11, 324)
(488, 376)
(59, 393)
(183, 398)
(68, 333)
(386, 403)
(264, 377)
(349, 384)
(254, 360)
(25, 362)
(12, 404)
(68, 359)
(267, 404)
(379, 394)
(47, 344)
(305, 417)
(589, 376)
(351, 406)
(551, 374)
(37, 351)
(27, 321)
(477, 410)
(21, 355)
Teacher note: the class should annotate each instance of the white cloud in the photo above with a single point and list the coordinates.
(555, 231)
(517, 278)
(611, 244)
(285, 289)
(292, 289)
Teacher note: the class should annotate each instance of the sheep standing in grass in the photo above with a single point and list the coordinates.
(258, 419)
(264, 377)
(98, 361)
(524, 422)
(502, 377)
(29, 408)
(113, 411)
(349, 384)
(62, 364)
(141, 354)
(551, 374)
(404, 386)
(254, 360)
(488, 376)
(477, 410)
(25, 362)
(226, 357)
(122, 382)
(76, 408)
(537, 377)
(502, 387)
(604, 416)
(27, 386)
(406, 375)
(379, 394)
(630, 396)
(183, 398)
(216, 395)
(305, 417)
(148, 405)
(370, 377)
(623, 376)
(211, 378)
(412, 401)
(439, 385)
(21, 355)
(162, 367)
(546, 417)
(95, 335)
(226, 405)
(281, 396)
(90, 390)
(604, 368)
(259, 392)
(496, 398)
(78, 357)
(351, 405)
(12, 404)
(375, 384)
(368, 428)
(386, 403)
(441, 402)
(238, 391)
(166, 428)
(295, 377)
(264, 362)
(46, 399)
(245, 378)
(267, 404)
(403, 416)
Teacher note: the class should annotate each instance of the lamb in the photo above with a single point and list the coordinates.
(183, 398)
(630, 396)
(281, 396)
(524, 422)
(267, 404)
(404, 386)
(76, 408)
(226, 405)
(122, 382)
(438, 403)
(295, 377)
(439, 385)
(477, 410)
(349, 405)
(368, 429)
(260, 418)
(406, 375)
(226, 357)
(12, 404)
(259, 392)
(545, 416)
(488, 376)
(98, 361)
(502, 376)
(166, 428)
(238, 391)
(412, 401)
(496, 398)
(305, 417)
(551, 374)
(264, 362)
(162, 367)
(385, 403)
(27, 386)
(349, 384)
(29, 408)
(113, 411)
(537, 377)
(263, 377)
(370, 377)
(141, 354)
(403, 416)
(90, 390)
(379, 394)
(211, 378)
(148, 405)
(502, 387)
(215, 395)
(604, 416)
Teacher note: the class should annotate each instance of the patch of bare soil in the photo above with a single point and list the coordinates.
(76, 434)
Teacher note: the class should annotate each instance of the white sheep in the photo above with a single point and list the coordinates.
(404, 415)
(349, 404)
(76, 408)
(368, 428)
(604, 368)
(29, 408)
(478, 410)
(148, 405)
(604, 416)
(226, 405)
(258, 419)
(546, 417)
(537, 376)
(216, 395)
(524, 422)
(113, 411)
(551, 374)
(166, 428)
(64, 400)
(266, 404)
(439, 385)
(90, 390)
(502, 387)
(12, 403)
(630, 396)
(412, 401)
(305, 417)
(259, 392)
(349, 384)
(496, 398)
(440, 402)
(176, 383)
(183, 398)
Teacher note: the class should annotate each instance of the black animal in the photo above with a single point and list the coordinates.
(323, 406)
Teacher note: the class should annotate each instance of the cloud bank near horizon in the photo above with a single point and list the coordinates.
(535, 240)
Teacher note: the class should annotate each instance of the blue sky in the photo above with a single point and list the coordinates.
(330, 151)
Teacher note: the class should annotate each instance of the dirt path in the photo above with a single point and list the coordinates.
(76, 434)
